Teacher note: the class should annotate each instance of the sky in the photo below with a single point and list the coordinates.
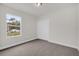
(9, 16)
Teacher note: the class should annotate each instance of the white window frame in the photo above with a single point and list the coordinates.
(20, 24)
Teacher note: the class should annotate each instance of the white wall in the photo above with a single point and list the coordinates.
(62, 26)
(43, 28)
(78, 25)
(28, 28)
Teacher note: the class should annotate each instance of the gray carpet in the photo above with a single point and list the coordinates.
(39, 48)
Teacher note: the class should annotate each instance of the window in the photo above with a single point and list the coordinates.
(13, 25)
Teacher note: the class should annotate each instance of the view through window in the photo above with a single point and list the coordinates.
(13, 25)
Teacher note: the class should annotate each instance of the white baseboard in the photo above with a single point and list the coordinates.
(65, 44)
(61, 44)
(7, 46)
(17, 43)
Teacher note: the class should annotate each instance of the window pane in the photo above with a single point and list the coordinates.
(13, 25)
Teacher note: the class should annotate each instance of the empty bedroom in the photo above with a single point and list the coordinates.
(39, 29)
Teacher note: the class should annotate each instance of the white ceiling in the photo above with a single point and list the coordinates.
(36, 11)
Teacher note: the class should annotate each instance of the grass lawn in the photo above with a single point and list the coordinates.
(13, 33)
